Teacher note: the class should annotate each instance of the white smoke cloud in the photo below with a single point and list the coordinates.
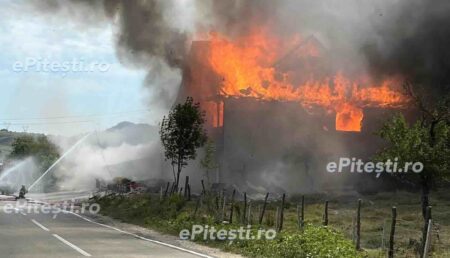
(126, 150)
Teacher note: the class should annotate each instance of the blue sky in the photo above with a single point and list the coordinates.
(87, 100)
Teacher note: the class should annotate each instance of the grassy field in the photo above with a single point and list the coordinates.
(376, 220)
(173, 215)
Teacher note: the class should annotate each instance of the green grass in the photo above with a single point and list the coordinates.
(376, 221)
(174, 214)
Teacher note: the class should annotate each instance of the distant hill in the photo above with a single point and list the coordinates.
(129, 133)
(122, 133)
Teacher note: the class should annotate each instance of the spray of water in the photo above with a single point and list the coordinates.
(7, 172)
(58, 160)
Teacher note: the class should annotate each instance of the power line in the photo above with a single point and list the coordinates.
(51, 123)
(77, 116)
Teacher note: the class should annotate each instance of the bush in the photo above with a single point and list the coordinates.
(174, 214)
(314, 241)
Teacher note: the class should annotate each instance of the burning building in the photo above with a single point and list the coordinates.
(275, 102)
(278, 112)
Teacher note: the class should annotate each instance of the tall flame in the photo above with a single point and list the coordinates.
(248, 67)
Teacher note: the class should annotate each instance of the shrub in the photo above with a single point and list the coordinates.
(174, 214)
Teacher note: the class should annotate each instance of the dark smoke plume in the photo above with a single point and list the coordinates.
(414, 42)
(142, 33)
(410, 38)
(238, 17)
(403, 37)
(146, 38)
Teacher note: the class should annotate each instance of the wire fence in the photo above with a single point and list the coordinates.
(407, 240)
(410, 239)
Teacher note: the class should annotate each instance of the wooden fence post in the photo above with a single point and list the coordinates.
(302, 224)
(280, 225)
(425, 229)
(325, 214)
(203, 187)
(358, 226)
(197, 205)
(217, 201)
(392, 234)
(245, 209)
(232, 206)
(249, 214)
(189, 192)
(172, 189)
(167, 189)
(186, 183)
(224, 203)
(263, 209)
(277, 217)
(428, 239)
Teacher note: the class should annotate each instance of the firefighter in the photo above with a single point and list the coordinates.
(22, 192)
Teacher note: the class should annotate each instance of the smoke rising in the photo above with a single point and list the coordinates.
(126, 150)
(145, 38)
(414, 42)
(143, 33)
(400, 37)
(147, 35)
(236, 17)
(403, 37)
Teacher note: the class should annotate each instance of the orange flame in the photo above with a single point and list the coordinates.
(248, 67)
(348, 118)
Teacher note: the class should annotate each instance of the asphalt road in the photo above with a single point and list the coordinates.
(25, 233)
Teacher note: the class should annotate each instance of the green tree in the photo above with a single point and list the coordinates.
(427, 141)
(208, 161)
(39, 147)
(23, 146)
(182, 133)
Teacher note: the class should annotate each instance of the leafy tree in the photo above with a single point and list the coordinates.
(209, 161)
(22, 147)
(39, 147)
(427, 141)
(182, 133)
